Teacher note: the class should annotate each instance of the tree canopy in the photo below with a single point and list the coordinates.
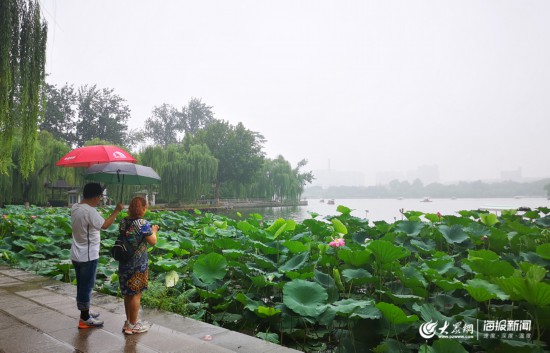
(237, 149)
(77, 116)
(167, 124)
(23, 36)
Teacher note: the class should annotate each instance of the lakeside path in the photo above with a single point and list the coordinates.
(38, 314)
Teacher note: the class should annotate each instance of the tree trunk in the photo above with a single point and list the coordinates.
(217, 192)
(26, 190)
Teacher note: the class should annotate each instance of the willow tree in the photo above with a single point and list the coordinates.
(22, 79)
(185, 174)
(237, 149)
(278, 181)
(16, 189)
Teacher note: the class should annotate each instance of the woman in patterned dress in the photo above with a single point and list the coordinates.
(133, 274)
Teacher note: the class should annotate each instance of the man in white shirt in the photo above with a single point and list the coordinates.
(86, 224)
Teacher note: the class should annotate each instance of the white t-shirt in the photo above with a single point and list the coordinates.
(86, 223)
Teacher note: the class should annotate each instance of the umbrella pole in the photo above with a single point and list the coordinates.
(122, 189)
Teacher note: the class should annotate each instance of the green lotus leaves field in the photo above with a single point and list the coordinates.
(472, 282)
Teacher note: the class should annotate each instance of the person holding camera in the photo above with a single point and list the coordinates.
(133, 274)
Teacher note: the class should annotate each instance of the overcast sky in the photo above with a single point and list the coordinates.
(368, 86)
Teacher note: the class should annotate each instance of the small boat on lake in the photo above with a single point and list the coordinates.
(330, 202)
(426, 199)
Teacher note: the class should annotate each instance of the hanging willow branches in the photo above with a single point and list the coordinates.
(23, 36)
(186, 174)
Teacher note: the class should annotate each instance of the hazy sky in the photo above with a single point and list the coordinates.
(371, 86)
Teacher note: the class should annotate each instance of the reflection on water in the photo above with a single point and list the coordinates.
(384, 209)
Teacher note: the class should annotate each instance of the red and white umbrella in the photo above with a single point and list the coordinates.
(90, 155)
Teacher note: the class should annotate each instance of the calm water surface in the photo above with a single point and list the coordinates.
(387, 209)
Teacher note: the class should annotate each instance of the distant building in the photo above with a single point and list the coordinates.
(428, 174)
(511, 175)
(384, 178)
(328, 177)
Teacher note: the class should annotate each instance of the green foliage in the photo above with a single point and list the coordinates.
(186, 174)
(22, 73)
(101, 114)
(278, 181)
(237, 149)
(14, 188)
(280, 280)
(163, 125)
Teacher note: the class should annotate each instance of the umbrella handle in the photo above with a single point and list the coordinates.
(121, 188)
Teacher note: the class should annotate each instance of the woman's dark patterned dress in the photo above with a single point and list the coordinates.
(133, 275)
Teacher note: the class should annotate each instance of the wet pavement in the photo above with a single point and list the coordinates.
(38, 314)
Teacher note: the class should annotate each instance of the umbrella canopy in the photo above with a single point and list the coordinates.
(122, 173)
(90, 155)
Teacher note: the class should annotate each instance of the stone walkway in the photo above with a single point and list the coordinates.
(38, 314)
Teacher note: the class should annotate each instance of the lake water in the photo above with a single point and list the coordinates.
(388, 209)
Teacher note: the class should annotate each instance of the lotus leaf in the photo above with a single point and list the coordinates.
(357, 276)
(412, 228)
(482, 290)
(432, 217)
(370, 312)
(209, 231)
(296, 246)
(356, 258)
(487, 267)
(543, 251)
(171, 279)
(227, 243)
(264, 311)
(327, 317)
(544, 221)
(269, 337)
(448, 285)
(489, 219)
(210, 267)
(349, 306)
(453, 234)
(429, 313)
(305, 298)
(343, 210)
(520, 228)
(537, 293)
(280, 226)
(329, 284)
(401, 298)
(426, 246)
(263, 262)
(386, 252)
(295, 262)
(394, 314)
(339, 227)
(441, 265)
(168, 264)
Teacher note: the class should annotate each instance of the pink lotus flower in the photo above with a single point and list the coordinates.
(33, 216)
(438, 214)
(4, 216)
(335, 243)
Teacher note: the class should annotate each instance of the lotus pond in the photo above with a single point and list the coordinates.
(473, 282)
